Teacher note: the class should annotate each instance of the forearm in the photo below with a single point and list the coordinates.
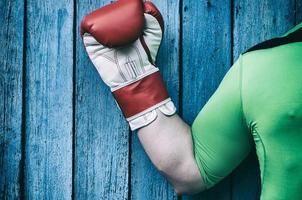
(168, 143)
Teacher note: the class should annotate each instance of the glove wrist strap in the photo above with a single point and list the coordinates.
(141, 95)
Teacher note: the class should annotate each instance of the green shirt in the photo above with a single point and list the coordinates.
(259, 102)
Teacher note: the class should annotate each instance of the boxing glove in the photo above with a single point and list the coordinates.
(122, 40)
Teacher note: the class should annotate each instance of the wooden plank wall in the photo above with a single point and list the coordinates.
(101, 143)
(61, 134)
(11, 80)
(48, 99)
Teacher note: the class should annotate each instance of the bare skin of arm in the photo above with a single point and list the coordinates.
(168, 143)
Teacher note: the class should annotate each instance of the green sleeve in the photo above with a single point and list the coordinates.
(220, 135)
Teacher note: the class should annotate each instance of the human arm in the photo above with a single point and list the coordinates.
(194, 159)
(190, 159)
(168, 143)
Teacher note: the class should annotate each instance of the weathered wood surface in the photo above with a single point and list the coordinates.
(61, 134)
(101, 133)
(206, 57)
(11, 63)
(298, 11)
(48, 106)
(256, 21)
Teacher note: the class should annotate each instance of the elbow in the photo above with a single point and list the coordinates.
(187, 190)
(184, 177)
(182, 191)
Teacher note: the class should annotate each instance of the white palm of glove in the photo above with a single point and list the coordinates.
(119, 67)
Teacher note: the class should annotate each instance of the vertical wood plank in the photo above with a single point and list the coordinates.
(146, 182)
(102, 135)
(298, 11)
(11, 62)
(256, 21)
(49, 86)
(206, 58)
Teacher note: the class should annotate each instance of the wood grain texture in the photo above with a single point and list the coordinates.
(98, 158)
(146, 182)
(102, 135)
(206, 58)
(256, 21)
(298, 11)
(49, 69)
(11, 63)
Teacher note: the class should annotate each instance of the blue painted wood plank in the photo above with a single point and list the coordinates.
(298, 11)
(49, 90)
(146, 182)
(11, 62)
(256, 21)
(206, 58)
(102, 135)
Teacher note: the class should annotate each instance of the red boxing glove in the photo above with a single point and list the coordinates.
(122, 41)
